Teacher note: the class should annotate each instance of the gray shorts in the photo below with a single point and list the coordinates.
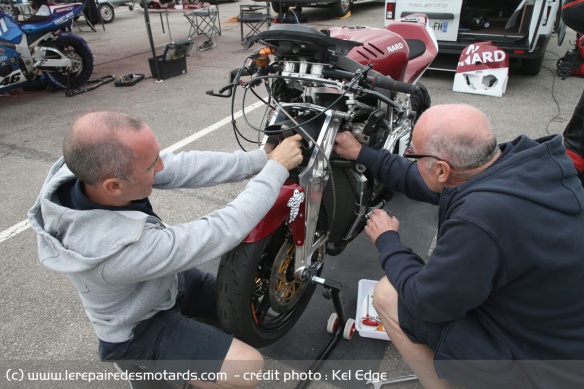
(172, 341)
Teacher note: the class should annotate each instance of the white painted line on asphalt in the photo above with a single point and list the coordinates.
(14, 230)
(211, 128)
(24, 225)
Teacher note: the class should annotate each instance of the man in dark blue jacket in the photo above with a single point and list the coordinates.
(500, 303)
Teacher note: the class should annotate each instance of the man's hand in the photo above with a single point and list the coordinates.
(347, 146)
(288, 152)
(380, 222)
(269, 147)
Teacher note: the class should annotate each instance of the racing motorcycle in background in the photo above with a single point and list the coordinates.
(357, 79)
(39, 48)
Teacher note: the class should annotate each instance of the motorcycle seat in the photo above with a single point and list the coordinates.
(35, 19)
(417, 48)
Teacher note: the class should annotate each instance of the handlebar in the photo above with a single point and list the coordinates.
(234, 75)
(349, 69)
(378, 80)
(375, 78)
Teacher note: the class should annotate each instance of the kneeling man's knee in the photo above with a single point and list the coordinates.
(385, 299)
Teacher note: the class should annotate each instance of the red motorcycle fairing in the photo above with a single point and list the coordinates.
(386, 51)
(423, 45)
(289, 206)
(403, 50)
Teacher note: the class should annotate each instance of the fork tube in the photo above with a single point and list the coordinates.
(314, 179)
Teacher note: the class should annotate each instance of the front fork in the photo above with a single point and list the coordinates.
(314, 179)
(299, 204)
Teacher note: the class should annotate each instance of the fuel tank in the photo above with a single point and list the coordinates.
(9, 29)
(387, 51)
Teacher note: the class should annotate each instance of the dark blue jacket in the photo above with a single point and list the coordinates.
(507, 272)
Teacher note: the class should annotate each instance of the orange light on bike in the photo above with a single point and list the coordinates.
(263, 59)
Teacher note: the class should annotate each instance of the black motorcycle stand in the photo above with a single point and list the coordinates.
(333, 289)
(97, 83)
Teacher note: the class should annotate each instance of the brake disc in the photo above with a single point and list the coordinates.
(285, 290)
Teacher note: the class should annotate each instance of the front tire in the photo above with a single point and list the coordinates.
(259, 300)
(107, 13)
(77, 50)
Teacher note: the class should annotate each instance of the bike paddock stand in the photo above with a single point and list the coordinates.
(97, 83)
(332, 290)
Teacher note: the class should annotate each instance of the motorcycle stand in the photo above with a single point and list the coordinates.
(99, 82)
(333, 289)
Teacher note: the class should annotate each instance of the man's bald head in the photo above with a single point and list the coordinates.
(458, 133)
(93, 149)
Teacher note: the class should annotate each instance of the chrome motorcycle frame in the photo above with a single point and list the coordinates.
(316, 175)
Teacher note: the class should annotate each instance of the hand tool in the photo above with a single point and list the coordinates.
(379, 384)
(368, 320)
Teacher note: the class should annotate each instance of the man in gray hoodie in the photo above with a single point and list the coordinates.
(135, 275)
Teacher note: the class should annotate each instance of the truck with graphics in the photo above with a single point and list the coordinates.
(521, 28)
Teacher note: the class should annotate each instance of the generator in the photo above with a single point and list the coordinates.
(572, 63)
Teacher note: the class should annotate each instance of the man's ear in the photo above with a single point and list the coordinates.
(442, 170)
(112, 186)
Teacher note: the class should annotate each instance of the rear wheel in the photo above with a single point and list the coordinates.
(341, 7)
(107, 13)
(81, 57)
(532, 67)
(276, 7)
(259, 300)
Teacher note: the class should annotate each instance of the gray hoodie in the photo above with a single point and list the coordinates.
(124, 264)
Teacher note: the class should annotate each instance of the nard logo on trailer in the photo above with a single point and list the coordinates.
(482, 69)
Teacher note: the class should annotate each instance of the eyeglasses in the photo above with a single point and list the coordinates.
(414, 157)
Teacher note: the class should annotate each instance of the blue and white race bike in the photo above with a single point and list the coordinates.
(42, 47)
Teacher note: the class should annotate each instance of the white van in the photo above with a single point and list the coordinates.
(522, 28)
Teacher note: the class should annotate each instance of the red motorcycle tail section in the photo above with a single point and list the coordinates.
(386, 51)
(289, 207)
(423, 45)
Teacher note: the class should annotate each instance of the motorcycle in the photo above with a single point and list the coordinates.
(358, 79)
(37, 49)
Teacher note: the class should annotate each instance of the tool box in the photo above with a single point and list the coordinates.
(129, 80)
(364, 309)
(173, 62)
(167, 69)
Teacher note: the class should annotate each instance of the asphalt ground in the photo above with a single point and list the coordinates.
(41, 319)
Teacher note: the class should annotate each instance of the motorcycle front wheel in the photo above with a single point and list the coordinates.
(77, 50)
(259, 300)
